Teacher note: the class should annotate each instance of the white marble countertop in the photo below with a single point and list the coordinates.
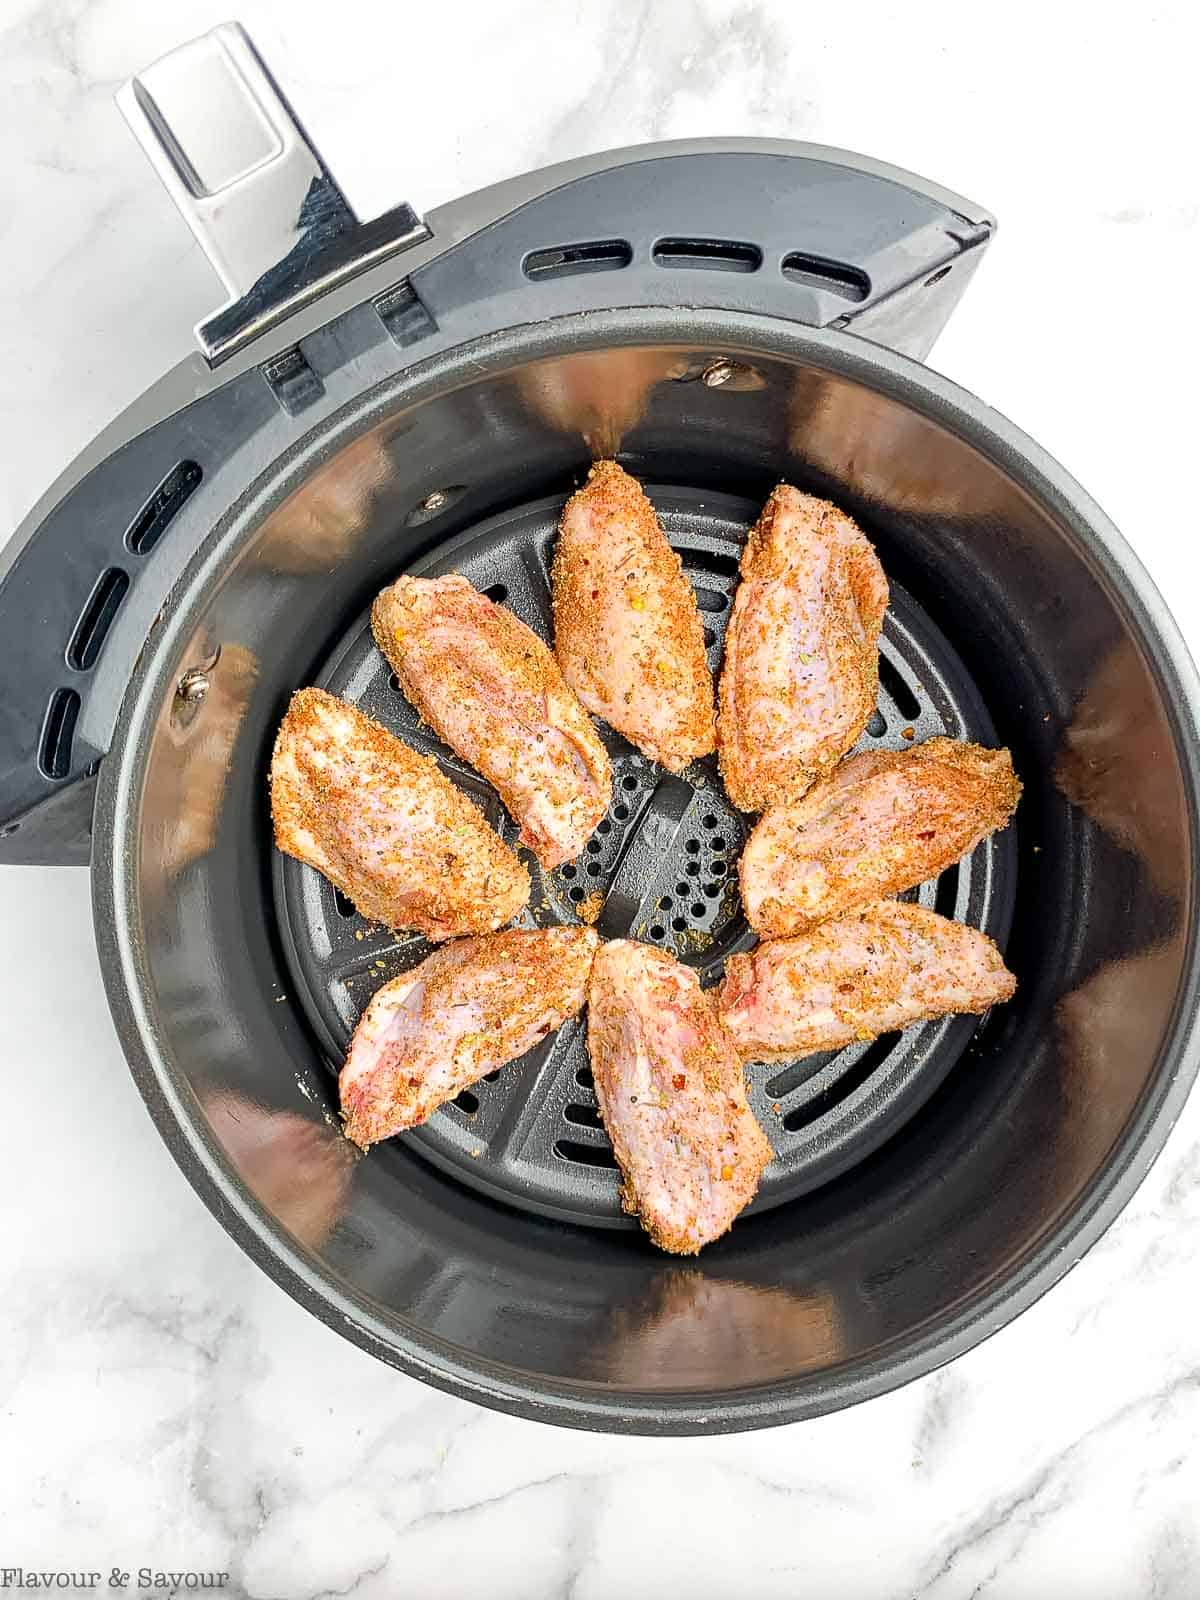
(162, 1403)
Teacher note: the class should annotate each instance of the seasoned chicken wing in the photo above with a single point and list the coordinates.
(467, 1009)
(627, 630)
(385, 826)
(874, 971)
(882, 822)
(492, 690)
(801, 672)
(672, 1097)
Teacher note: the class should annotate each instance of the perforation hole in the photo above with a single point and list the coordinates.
(679, 924)
(901, 695)
(621, 813)
(692, 869)
(698, 908)
(584, 1078)
(657, 931)
(604, 827)
(709, 821)
(593, 869)
(592, 848)
(468, 1102)
(710, 600)
(498, 592)
(568, 871)
(588, 1155)
(710, 638)
(877, 727)
(343, 905)
(665, 903)
(629, 783)
(582, 1116)
(841, 1088)
(576, 895)
(692, 846)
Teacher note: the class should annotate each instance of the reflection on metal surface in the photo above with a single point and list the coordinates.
(319, 525)
(299, 1171)
(601, 396)
(1108, 1033)
(884, 453)
(691, 1331)
(204, 728)
(1115, 763)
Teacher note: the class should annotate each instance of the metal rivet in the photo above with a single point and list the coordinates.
(434, 501)
(193, 686)
(718, 373)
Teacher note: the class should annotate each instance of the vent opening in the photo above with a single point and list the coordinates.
(466, 1101)
(898, 691)
(151, 522)
(58, 733)
(567, 260)
(588, 1155)
(343, 904)
(583, 1116)
(713, 255)
(96, 618)
(841, 1088)
(815, 272)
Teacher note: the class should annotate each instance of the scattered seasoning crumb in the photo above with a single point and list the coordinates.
(358, 933)
(591, 907)
(679, 1081)
(776, 1109)
(908, 733)
(280, 997)
(478, 1151)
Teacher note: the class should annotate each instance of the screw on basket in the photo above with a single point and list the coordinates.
(718, 373)
(193, 686)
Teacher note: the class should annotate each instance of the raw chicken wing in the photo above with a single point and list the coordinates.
(801, 672)
(627, 630)
(875, 971)
(882, 822)
(467, 1009)
(671, 1094)
(385, 826)
(492, 690)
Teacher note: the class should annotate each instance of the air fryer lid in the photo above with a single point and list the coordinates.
(408, 395)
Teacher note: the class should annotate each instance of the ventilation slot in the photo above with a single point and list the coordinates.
(713, 255)
(713, 561)
(814, 272)
(901, 695)
(151, 521)
(709, 600)
(841, 1088)
(343, 904)
(96, 619)
(598, 255)
(588, 1155)
(877, 727)
(404, 316)
(583, 1116)
(792, 1077)
(294, 383)
(58, 732)
(946, 896)
(498, 592)
(468, 1102)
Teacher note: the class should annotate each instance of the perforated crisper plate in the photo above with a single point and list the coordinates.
(664, 858)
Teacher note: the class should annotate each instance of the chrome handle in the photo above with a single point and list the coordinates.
(250, 185)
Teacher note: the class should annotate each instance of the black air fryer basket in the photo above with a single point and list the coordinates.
(422, 396)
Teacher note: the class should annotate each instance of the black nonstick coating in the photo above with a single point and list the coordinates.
(664, 859)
